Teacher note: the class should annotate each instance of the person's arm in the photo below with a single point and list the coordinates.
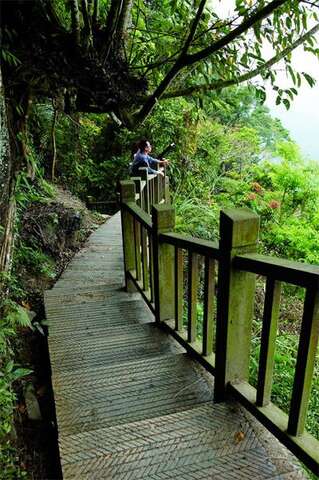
(152, 160)
(155, 160)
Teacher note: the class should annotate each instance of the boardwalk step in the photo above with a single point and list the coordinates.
(85, 294)
(106, 350)
(131, 392)
(75, 319)
(197, 443)
(77, 283)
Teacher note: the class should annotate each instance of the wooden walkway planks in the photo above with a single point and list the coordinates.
(129, 403)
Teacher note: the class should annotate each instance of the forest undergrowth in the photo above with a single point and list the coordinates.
(52, 225)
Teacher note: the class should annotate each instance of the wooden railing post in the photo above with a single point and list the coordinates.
(235, 300)
(127, 192)
(157, 185)
(138, 190)
(167, 196)
(163, 217)
(145, 191)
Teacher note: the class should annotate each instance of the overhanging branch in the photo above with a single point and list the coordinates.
(242, 28)
(187, 60)
(246, 76)
(193, 28)
(75, 16)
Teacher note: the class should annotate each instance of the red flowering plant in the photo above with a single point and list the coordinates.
(274, 204)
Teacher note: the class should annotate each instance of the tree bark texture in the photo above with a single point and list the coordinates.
(7, 200)
(53, 142)
(13, 156)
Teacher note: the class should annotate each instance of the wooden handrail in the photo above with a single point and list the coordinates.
(138, 214)
(295, 273)
(196, 245)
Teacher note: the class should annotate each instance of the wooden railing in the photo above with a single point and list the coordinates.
(175, 273)
(151, 189)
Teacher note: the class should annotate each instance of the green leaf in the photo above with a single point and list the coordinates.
(20, 317)
(311, 81)
(9, 366)
(21, 372)
(286, 103)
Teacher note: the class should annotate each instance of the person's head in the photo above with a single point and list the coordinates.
(145, 146)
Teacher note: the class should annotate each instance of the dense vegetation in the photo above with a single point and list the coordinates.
(109, 73)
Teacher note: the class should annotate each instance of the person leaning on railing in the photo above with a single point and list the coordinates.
(143, 159)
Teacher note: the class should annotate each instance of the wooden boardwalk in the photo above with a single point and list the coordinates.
(130, 404)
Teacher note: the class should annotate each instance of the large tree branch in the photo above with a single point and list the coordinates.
(75, 18)
(193, 28)
(95, 14)
(111, 25)
(86, 15)
(87, 33)
(124, 22)
(187, 60)
(246, 76)
(242, 28)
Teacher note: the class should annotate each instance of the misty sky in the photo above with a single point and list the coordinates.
(302, 119)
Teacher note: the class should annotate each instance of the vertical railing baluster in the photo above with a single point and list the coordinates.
(160, 188)
(156, 187)
(137, 241)
(151, 265)
(144, 259)
(192, 296)
(209, 297)
(179, 267)
(167, 197)
(268, 342)
(146, 192)
(138, 190)
(305, 362)
(150, 189)
(153, 191)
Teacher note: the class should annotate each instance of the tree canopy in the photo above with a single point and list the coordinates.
(122, 57)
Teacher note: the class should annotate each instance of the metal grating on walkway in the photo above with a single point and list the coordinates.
(130, 404)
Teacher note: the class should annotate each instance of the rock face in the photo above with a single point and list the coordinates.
(53, 227)
(50, 232)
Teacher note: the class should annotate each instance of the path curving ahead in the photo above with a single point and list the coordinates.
(130, 404)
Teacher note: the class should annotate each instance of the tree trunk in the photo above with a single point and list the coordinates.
(13, 154)
(53, 142)
(7, 201)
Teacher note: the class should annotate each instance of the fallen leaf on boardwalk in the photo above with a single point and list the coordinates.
(239, 437)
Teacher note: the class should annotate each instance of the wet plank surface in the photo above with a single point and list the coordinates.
(130, 404)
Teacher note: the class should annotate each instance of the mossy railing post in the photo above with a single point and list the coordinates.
(157, 197)
(235, 300)
(167, 195)
(163, 217)
(127, 192)
(138, 190)
(145, 191)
